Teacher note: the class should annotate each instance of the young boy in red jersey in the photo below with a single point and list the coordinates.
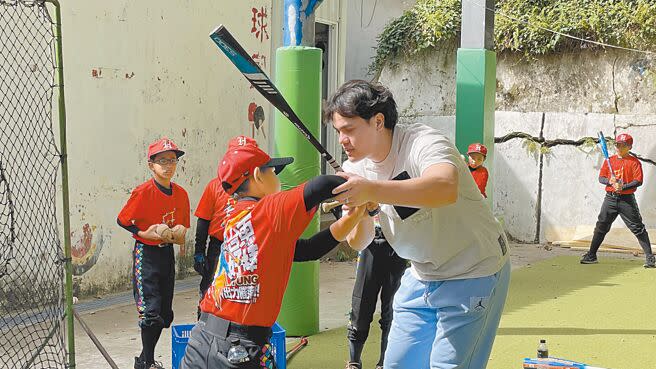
(477, 153)
(620, 200)
(212, 208)
(155, 202)
(261, 239)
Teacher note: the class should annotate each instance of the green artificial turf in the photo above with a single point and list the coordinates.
(603, 315)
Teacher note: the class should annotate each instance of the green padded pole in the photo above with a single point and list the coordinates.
(298, 77)
(475, 97)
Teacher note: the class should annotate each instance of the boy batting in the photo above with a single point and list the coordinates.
(620, 184)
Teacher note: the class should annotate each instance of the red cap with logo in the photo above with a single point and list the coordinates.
(624, 138)
(163, 145)
(477, 147)
(241, 158)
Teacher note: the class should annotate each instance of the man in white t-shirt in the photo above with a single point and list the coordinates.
(448, 307)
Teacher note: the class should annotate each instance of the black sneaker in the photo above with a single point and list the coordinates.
(589, 258)
(650, 261)
(156, 365)
(138, 363)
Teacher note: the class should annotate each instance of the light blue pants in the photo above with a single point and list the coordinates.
(446, 324)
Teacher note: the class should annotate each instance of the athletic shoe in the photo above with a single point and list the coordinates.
(353, 365)
(156, 365)
(589, 258)
(138, 363)
(379, 367)
(650, 261)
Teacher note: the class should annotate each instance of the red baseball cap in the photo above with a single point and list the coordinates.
(163, 145)
(477, 147)
(624, 138)
(241, 158)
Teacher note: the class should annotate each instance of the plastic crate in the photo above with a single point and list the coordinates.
(279, 345)
(180, 337)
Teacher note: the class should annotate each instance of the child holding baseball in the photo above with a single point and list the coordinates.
(157, 215)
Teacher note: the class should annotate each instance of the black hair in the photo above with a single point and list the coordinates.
(359, 98)
(243, 187)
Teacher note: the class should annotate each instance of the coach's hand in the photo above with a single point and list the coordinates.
(355, 191)
(199, 263)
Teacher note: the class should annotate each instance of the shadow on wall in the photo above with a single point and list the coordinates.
(515, 189)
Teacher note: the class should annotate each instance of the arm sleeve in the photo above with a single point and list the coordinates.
(631, 185)
(637, 171)
(128, 214)
(131, 228)
(320, 189)
(205, 207)
(604, 172)
(202, 227)
(603, 180)
(315, 247)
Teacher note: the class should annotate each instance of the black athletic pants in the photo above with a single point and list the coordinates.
(153, 281)
(627, 208)
(379, 270)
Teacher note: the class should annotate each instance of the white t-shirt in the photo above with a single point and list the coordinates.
(461, 240)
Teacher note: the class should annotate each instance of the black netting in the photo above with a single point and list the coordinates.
(31, 269)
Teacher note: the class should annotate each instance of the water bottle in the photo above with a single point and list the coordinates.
(543, 351)
(237, 353)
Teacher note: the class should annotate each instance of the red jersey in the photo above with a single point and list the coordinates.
(148, 205)
(627, 170)
(256, 258)
(480, 175)
(214, 205)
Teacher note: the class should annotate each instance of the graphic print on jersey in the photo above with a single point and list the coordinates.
(236, 277)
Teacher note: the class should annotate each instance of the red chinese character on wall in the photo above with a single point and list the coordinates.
(260, 23)
(260, 59)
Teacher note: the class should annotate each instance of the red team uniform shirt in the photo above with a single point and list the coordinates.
(626, 170)
(214, 205)
(148, 205)
(256, 258)
(480, 175)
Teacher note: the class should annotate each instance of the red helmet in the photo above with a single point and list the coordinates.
(624, 138)
(477, 147)
(241, 158)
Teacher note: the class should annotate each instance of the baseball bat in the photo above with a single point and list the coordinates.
(604, 150)
(262, 83)
(329, 205)
(298, 347)
(555, 363)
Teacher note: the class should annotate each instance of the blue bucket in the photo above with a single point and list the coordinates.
(180, 337)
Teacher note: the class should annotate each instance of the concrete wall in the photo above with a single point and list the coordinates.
(366, 20)
(554, 196)
(135, 72)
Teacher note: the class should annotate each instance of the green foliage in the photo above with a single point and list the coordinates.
(431, 23)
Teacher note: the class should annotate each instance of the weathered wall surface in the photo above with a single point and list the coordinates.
(554, 196)
(136, 72)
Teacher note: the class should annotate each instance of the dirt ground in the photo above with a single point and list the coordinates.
(116, 325)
